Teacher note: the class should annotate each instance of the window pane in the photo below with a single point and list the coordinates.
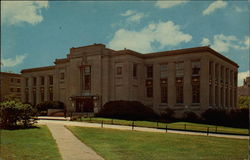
(149, 71)
(179, 69)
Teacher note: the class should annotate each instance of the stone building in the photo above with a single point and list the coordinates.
(244, 90)
(10, 84)
(191, 79)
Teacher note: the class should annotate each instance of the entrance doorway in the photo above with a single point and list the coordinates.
(84, 104)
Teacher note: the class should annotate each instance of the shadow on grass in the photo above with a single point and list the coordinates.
(19, 127)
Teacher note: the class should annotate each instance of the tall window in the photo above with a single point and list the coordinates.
(179, 68)
(227, 75)
(149, 71)
(87, 77)
(42, 94)
(195, 90)
(221, 97)
(179, 90)
(226, 98)
(119, 70)
(26, 82)
(163, 71)
(231, 77)
(62, 75)
(134, 70)
(34, 81)
(196, 68)
(149, 88)
(50, 93)
(179, 71)
(235, 79)
(18, 80)
(34, 96)
(216, 96)
(195, 82)
(210, 95)
(222, 74)
(164, 94)
(51, 80)
(163, 83)
(216, 72)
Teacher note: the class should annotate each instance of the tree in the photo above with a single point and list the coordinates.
(14, 112)
(244, 101)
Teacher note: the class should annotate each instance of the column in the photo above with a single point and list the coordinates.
(156, 85)
(224, 88)
(23, 89)
(187, 83)
(171, 84)
(219, 86)
(213, 84)
(232, 89)
(204, 84)
(46, 87)
(30, 86)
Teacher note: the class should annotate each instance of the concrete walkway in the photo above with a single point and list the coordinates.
(121, 127)
(69, 146)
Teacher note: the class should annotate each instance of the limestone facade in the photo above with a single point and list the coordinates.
(192, 79)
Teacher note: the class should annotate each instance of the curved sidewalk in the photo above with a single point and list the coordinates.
(121, 127)
(69, 146)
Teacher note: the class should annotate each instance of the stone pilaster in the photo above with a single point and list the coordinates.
(187, 88)
(156, 85)
(171, 85)
(204, 83)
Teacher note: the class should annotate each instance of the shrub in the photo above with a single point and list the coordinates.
(14, 111)
(240, 117)
(216, 116)
(131, 110)
(168, 114)
(190, 116)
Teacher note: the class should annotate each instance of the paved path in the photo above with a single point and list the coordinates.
(121, 127)
(69, 146)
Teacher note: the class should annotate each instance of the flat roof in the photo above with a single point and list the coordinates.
(37, 69)
(10, 74)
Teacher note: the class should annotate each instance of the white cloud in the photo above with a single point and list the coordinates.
(169, 4)
(133, 16)
(128, 13)
(242, 76)
(12, 62)
(222, 43)
(205, 42)
(241, 9)
(214, 6)
(16, 12)
(164, 33)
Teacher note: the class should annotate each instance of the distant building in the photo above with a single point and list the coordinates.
(191, 79)
(245, 89)
(10, 84)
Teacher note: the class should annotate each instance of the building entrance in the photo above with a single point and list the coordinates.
(84, 104)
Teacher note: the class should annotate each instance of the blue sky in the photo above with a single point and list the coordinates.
(34, 34)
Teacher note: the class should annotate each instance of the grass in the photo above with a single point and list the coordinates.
(28, 144)
(175, 125)
(132, 145)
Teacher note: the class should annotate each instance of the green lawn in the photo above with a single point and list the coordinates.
(175, 125)
(133, 145)
(28, 144)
